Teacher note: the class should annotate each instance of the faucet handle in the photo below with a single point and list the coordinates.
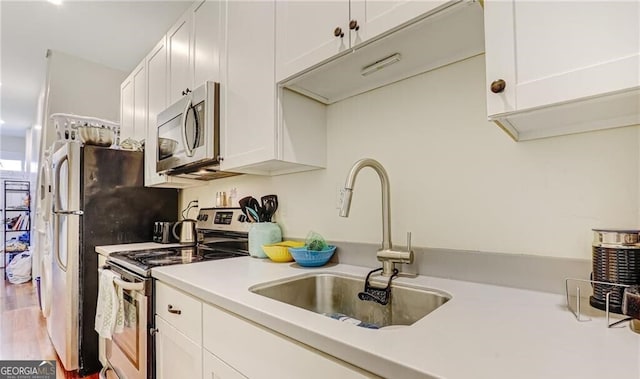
(408, 241)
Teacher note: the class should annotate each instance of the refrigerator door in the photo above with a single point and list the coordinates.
(62, 322)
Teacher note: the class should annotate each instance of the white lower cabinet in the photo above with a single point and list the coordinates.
(258, 352)
(214, 368)
(232, 347)
(177, 356)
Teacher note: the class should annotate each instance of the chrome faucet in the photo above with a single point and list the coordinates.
(386, 254)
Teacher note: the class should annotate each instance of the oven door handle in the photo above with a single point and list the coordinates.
(124, 284)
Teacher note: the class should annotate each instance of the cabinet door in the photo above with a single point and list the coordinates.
(206, 42)
(248, 117)
(127, 107)
(214, 368)
(139, 102)
(374, 17)
(178, 42)
(177, 357)
(156, 103)
(551, 52)
(305, 34)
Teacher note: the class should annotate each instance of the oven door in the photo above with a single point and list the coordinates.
(188, 131)
(126, 353)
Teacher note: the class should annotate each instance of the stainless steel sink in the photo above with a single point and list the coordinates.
(331, 294)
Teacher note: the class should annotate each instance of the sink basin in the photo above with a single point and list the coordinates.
(330, 294)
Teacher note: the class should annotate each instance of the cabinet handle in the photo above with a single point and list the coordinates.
(338, 32)
(172, 310)
(353, 25)
(498, 86)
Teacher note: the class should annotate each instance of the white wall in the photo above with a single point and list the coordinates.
(457, 181)
(75, 85)
(12, 147)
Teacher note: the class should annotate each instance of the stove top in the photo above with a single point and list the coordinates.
(219, 238)
(142, 261)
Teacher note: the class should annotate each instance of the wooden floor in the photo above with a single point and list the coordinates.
(23, 329)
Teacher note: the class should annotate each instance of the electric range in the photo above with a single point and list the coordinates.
(131, 354)
(220, 235)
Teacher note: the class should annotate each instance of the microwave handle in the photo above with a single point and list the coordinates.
(187, 148)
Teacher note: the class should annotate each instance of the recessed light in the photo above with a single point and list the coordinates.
(1, 122)
(56, 2)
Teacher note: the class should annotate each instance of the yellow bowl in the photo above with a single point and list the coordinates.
(279, 252)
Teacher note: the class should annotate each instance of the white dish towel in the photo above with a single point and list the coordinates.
(110, 307)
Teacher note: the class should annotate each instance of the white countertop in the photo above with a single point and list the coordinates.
(484, 331)
(106, 250)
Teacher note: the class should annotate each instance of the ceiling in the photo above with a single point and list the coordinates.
(117, 34)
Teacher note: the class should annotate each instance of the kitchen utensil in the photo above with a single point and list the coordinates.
(255, 205)
(254, 215)
(244, 203)
(616, 259)
(269, 206)
(187, 231)
(95, 135)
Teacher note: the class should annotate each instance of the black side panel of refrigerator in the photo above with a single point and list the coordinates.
(117, 209)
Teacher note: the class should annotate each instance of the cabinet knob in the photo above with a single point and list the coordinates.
(185, 92)
(338, 32)
(171, 309)
(353, 25)
(153, 331)
(498, 86)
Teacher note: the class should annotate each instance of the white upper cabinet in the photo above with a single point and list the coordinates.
(557, 67)
(384, 42)
(207, 40)
(126, 109)
(194, 44)
(157, 91)
(133, 123)
(179, 46)
(255, 137)
(311, 32)
(371, 19)
(249, 97)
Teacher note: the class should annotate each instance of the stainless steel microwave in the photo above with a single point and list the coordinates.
(189, 134)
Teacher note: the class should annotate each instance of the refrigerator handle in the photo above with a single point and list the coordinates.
(58, 203)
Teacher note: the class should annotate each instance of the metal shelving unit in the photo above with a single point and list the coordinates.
(17, 219)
